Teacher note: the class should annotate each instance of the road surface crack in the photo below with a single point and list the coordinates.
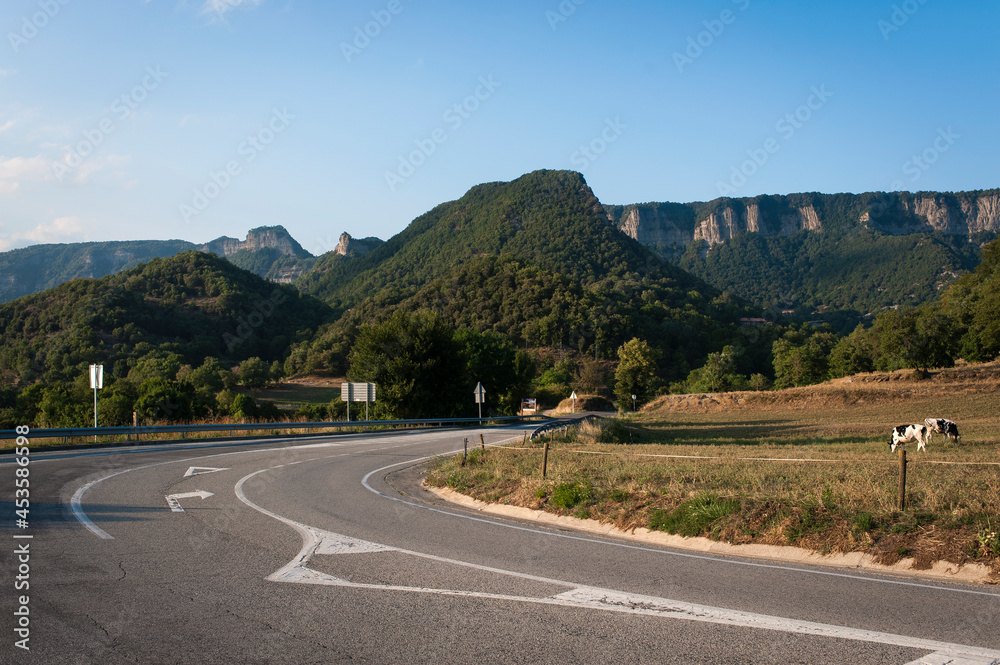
(121, 565)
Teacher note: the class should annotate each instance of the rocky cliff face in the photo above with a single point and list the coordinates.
(729, 221)
(651, 224)
(265, 237)
(963, 214)
(671, 227)
(349, 245)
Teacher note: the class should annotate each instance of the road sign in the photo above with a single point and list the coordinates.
(357, 392)
(97, 377)
(480, 393)
(573, 397)
(97, 383)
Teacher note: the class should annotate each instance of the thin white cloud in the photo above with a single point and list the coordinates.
(61, 229)
(16, 170)
(7, 125)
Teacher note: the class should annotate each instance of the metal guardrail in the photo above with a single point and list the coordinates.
(561, 424)
(130, 431)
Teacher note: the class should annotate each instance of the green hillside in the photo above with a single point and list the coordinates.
(39, 267)
(195, 305)
(855, 254)
(534, 259)
(860, 270)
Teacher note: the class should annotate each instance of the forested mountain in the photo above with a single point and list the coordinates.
(194, 305)
(819, 251)
(268, 251)
(526, 285)
(39, 267)
(535, 259)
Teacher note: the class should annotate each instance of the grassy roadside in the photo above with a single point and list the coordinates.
(702, 468)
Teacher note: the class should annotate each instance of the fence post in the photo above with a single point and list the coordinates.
(465, 452)
(902, 479)
(482, 442)
(545, 459)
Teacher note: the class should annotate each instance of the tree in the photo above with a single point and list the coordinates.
(116, 403)
(254, 373)
(591, 377)
(802, 364)
(160, 399)
(717, 375)
(853, 354)
(636, 373)
(416, 364)
(244, 408)
(491, 359)
(915, 338)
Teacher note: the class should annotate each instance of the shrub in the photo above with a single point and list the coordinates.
(695, 516)
(567, 495)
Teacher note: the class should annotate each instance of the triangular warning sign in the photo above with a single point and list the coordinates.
(198, 470)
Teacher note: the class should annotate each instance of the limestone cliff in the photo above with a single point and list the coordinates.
(351, 246)
(962, 214)
(670, 227)
(264, 237)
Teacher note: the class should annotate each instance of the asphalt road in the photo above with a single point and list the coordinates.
(328, 551)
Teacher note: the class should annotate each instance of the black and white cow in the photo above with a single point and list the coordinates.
(907, 433)
(943, 426)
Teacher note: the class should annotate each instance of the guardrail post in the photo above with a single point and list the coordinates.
(545, 459)
(902, 479)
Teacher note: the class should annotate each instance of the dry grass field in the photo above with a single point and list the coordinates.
(808, 466)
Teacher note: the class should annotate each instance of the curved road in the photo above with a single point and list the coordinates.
(328, 551)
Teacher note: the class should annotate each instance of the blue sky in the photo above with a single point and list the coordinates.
(155, 119)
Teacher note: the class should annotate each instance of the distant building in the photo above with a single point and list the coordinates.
(752, 322)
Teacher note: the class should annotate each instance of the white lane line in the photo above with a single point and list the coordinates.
(318, 541)
(77, 498)
(952, 659)
(667, 552)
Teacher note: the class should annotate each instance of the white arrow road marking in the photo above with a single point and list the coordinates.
(172, 499)
(318, 541)
(199, 470)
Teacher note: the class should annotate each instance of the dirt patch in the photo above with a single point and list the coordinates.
(861, 389)
(583, 403)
